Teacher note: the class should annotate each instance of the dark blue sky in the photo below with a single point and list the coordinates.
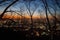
(37, 3)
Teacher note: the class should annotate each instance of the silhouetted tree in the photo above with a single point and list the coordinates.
(31, 11)
(54, 16)
(7, 8)
(45, 7)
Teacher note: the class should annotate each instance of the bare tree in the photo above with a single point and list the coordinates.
(53, 15)
(45, 7)
(31, 12)
(7, 8)
(49, 26)
(21, 12)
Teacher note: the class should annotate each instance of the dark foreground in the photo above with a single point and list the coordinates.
(9, 34)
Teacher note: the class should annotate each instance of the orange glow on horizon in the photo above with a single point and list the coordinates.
(18, 16)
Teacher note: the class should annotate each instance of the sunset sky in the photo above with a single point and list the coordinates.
(36, 5)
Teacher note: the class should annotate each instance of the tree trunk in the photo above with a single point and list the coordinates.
(48, 23)
(31, 22)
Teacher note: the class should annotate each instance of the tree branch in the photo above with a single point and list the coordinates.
(7, 8)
